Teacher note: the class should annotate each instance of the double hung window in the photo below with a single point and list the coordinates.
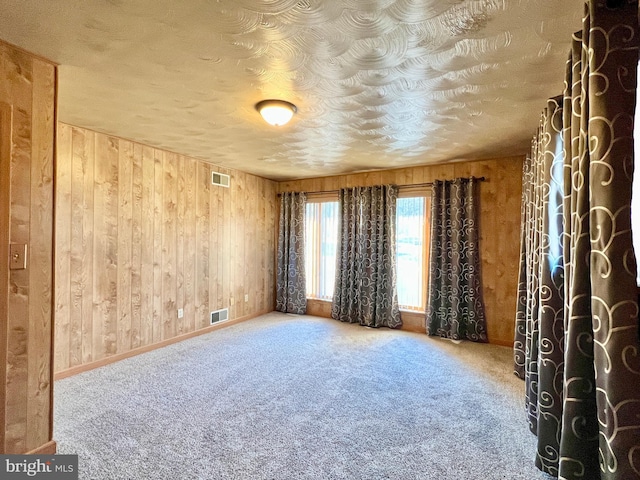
(321, 241)
(412, 246)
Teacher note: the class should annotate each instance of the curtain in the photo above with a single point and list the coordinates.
(365, 287)
(455, 308)
(576, 341)
(290, 284)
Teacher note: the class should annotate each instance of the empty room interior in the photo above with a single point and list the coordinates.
(422, 266)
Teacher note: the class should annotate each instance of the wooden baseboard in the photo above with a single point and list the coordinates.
(48, 448)
(411, 321)
(147, 348)
(502, 343)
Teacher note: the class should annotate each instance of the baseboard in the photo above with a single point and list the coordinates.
(48, 448)
(412, 321)
(147, 348)
(502, 343)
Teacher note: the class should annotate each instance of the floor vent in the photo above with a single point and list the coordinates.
(219, 316)
(220, 179)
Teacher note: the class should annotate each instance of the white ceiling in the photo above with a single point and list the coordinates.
(378, 83)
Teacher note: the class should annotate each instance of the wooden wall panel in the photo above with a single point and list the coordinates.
(161, 238)
(189, 237)
(499, 222)
(6, 127)
(63, 255)
(228, 243)
(215, 280)
(125, 247)
(158, 176)
(105, 247)
(202, 245)
(39, 396)
(169, 250)
(84, 271)
(136, 245)
(180, 269)
(18, 324)
(27, 127)
(147, 257)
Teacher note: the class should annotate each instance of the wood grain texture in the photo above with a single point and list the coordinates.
(86, 218)
(27, 96)
(158, 214)
(105, 248)
(136, 245)
(169, 250)
(18, 324)
(125, 246)
(202, 244)
(163, 238)
(189, 238)
(180, 269)
(6, 120)
(63, 254)
(78, 146)
(147, 265)
(499, 228)
(41, 258)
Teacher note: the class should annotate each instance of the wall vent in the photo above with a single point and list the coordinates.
(220, 179)
(219, 315)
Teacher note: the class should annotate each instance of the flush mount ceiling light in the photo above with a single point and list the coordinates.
(276, 112)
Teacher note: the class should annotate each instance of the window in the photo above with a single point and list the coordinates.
(412, 248)
(321, 241)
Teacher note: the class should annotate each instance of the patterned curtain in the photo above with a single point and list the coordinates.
(540, 326)
(290, 286)
(365, 288)
(576, 342)
(454, 302)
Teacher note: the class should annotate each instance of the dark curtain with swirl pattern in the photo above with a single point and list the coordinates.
(455, 308)
(290, 276)
(365, 287)
(576, 343)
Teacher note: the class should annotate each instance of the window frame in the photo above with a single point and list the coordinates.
(320, 197)
(411, 191)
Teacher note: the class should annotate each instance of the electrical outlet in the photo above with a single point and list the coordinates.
(246, 297)
(180, 313)
(18, 256)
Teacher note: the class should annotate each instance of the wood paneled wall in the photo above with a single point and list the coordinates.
(500, 199)
(140, 233)
(27, 135)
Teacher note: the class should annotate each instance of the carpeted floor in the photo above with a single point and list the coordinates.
(288, 397)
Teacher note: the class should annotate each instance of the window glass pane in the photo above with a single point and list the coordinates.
(321, 240)
(410, 252)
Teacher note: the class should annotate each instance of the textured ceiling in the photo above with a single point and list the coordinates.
(378, 83)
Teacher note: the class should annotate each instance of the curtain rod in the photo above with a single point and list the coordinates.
(427, 184)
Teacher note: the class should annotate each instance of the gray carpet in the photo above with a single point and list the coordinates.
(288, 397)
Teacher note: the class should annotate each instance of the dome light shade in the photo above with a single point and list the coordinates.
(276, 112)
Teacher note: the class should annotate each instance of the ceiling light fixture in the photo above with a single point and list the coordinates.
(276, 112)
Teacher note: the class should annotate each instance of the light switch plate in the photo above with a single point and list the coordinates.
(17, 256)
